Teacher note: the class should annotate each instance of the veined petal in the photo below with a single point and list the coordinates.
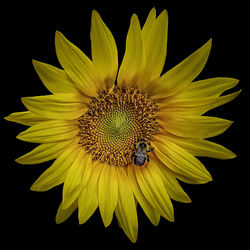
(196, 106)
(104, 51)
(63, 214)
(88, 198)
(155, 46)
(153, 189)
(107, 193)
(179, 77)
(133, 60)
(56, 174)
(193, 126)
(46, 152)
(198, 147)
(26, 118)
(150, 211)
(87, 164)
(73, 182)
(212, 87)
(59, 106)
(54, 79)
(172, 186)
(77, 65)
(146, 29)
(49, 131)
(180, 161)
(188, 179)
(126, 210)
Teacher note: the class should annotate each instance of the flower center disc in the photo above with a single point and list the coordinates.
(114, 123)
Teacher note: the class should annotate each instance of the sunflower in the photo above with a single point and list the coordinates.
(123, 137)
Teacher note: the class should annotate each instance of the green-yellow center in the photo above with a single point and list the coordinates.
(114, 123)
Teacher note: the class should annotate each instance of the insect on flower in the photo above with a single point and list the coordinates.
(90, 124)
(140, 155)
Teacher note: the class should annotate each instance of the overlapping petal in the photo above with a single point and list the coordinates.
(77, 65)
(154, 190)
(198, 147)
(54, 79)
(104, 52)
(179, 77)
(56, 174)
(126, 209)
(212, 87)
(196, 106)
(46, 152)
(63, 214)
(107, 193)
(73, 183)
(180, 161)
(133, 61)
(26, 118)
(192, 126)
(60, 106)
(154, 35)
(149, 210)
(49, 131)
(172, 186)
(88, 198)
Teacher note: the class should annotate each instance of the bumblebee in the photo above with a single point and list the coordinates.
(140, 154)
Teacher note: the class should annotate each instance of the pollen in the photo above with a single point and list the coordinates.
(116, 119)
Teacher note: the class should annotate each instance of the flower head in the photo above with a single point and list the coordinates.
(123, 137)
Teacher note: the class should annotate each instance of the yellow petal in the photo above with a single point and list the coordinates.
(212, 87)
(179, 77)
(126, 210)
(193, 126)
(87, 165)
(25, 118)
(199, 147)
(149, 210)
(155, 46)
(56, 174)
(188, 179)
(146, 29)
(153, 189)
(73, 182)
(172, 186)
(88, 199)
(77, 65)
(180, 161)
(107, 193)
(49, 131)
(104, 51)
(196, 106)
(54, 79)
(133, 60)
(59, 106)
(63, 214)
(46, 152)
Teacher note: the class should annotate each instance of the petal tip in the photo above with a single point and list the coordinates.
(7, 118)
(19, 160)
(58, 35)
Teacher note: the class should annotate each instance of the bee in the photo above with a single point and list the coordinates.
(140, 154)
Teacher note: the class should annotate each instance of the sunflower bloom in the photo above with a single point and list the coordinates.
(123, 137)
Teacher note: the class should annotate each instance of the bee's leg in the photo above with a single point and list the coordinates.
(133, 154)
(147, 158)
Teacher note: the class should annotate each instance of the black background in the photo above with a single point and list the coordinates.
(218, 216)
